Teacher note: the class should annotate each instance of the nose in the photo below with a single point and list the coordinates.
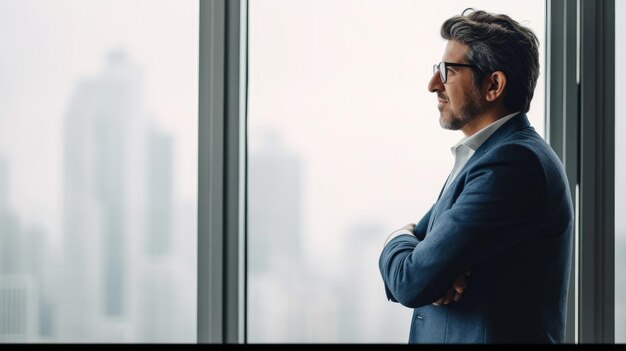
(435, 84)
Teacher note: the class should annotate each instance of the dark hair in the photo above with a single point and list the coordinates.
(498, 43)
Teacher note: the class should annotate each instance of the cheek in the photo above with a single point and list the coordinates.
(457, 97)
(453, 97)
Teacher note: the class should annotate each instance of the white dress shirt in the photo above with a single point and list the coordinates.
(462, 151)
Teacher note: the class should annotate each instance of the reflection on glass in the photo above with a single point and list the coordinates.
(620, 176)
(97, 192)
(344, 147)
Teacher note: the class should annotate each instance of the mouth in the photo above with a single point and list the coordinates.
(441, 102)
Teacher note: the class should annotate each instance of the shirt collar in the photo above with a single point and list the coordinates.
(478, 138)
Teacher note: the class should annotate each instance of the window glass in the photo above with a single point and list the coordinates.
(98, 170)
(344, 147)
(620, 176)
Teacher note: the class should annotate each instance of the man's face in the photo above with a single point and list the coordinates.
(459, 99)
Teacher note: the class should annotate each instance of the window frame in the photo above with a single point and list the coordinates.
(597, 172)
(221, 170)
(580, 116)
(580, 119)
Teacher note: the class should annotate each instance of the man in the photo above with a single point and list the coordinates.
(489, 262)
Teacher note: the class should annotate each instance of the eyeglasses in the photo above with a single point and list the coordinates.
(442, 67)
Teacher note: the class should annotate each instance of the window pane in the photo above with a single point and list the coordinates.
(620, 175)
(98, 170)
(344, 147)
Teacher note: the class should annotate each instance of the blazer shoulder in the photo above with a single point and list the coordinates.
(520, 151)
(516, 161)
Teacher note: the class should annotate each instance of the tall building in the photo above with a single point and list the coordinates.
(367, 316)
(275, 256)
(157, 306)
(4, 184)
(117, 207)
(20, 272)
(274, 207)
(8, 225)
(160, 194)
(13, 252)
(103, 187)
(19, 308)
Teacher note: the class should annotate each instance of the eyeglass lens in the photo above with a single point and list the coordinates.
(441, 67)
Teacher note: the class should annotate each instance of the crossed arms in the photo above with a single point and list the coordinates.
(502, 202)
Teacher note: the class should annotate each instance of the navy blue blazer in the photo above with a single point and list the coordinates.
(508, 216)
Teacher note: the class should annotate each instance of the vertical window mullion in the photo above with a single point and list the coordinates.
(597, 170)
(210, 172)
(220, 225)
(562, 112)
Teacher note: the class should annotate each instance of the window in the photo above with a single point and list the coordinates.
(344, 147)
(99, 161)
(98, 170)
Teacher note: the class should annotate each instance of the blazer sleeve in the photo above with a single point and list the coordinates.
(422, 226)
(502, 202)
(419, 231)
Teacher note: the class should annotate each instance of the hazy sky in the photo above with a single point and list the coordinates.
(341, 82)
(48, 46)
(344, 81)
(344, 84)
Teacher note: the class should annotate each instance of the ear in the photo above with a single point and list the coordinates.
(494, 85)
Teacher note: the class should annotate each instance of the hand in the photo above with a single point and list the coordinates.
(410, 227)
(456, 291)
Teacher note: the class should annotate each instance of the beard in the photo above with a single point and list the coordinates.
(457, 117)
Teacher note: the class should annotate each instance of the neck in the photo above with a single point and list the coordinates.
(484, 119)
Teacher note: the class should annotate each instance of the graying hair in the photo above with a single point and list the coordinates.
(498, 43)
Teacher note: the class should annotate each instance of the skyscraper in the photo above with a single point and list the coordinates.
(20, 286)
(158, 289)
(19, 308)
(8, 224)
(12, 260)
(160, 193)
(275, 207)
(275, 256)
(117, 208)
(103, 187)
(4, 184)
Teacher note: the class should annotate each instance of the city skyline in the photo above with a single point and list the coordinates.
(339, 136)
(72, 36)
(120, 211)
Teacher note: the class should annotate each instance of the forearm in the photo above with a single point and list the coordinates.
(411, 279)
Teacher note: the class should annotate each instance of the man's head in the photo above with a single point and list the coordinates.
(503, 59)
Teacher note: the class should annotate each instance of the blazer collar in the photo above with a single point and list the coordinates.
(515, 124)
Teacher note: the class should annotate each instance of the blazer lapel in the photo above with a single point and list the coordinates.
(512, 126)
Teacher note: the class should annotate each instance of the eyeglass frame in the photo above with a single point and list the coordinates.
(443, 74)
